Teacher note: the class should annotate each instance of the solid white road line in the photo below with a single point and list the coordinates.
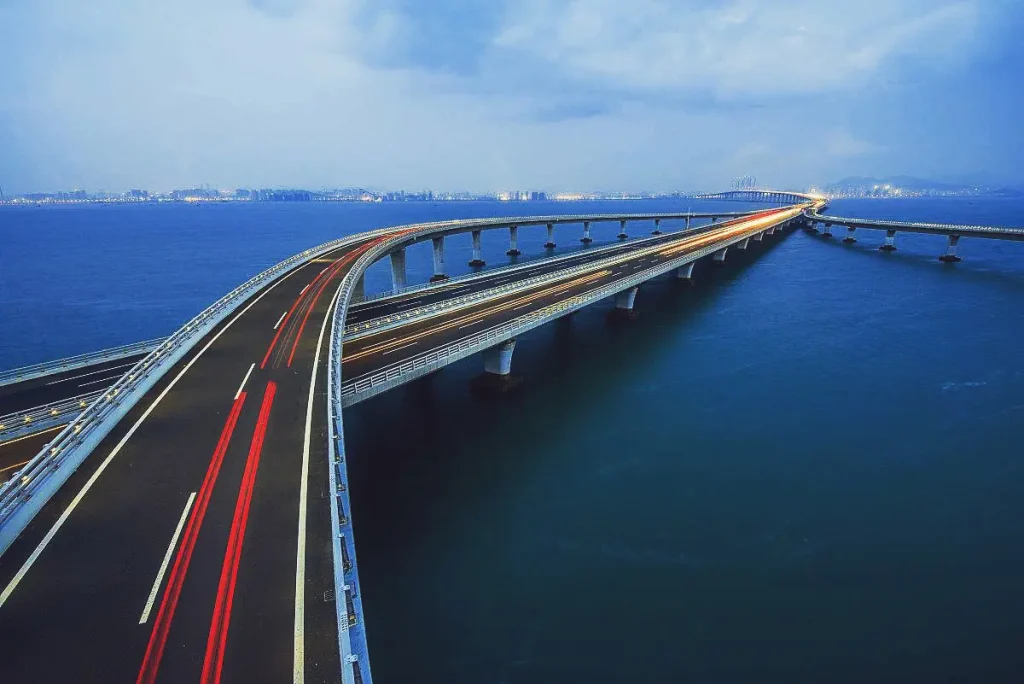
(167, 559)
(280, 319)
(20, 575)
(299, 651)
(247, 374)
(104, 370)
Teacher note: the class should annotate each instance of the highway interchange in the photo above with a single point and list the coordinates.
(193, 543)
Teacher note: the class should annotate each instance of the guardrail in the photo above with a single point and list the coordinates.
(39, 370)
(23, 497)
(400, 373)
(29, 421)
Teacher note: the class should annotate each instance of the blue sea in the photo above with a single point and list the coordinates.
(806, 468)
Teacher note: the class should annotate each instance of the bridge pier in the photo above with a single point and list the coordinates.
(687, 222)
(657, 227)
(398, 269)
(550, 244)
(759, 237)
(478, 255)
(513, 235)
(624, 304)
(743, 245)
(497, 377)
(828, 231)
(849, 239)
(714, 219)
(770, 231)
(812, 227)
(890, 241)
(622, 230)
(685, 272)
(586, 239)
(950, 256)
(719, 257)
(439, 274)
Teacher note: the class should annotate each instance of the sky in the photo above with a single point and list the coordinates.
(489, 95)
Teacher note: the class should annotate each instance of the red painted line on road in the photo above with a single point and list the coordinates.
(341, 264)
(287, 317)
(164, 617)
(213, 662)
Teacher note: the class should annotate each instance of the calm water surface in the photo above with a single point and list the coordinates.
(806, 468)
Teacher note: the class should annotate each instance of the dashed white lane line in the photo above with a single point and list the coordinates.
(83, 375)
(167, 559)
(280, 319)
(405, 346)
(247, 374)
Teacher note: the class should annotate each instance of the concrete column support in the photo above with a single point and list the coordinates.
(550, 244)
(685, 272)
(719, 257)
(950, 256)
(439, 273)
(359, 290)
(759, 237)
(890, 242)
(478, 254)
(398, 269)
(743, 245)
(498, 360)
(513, 235)
(657, 227)
(622, 230)
(812, 227)
(687, 222)
(624, 300)
(714, 219)
(586, 239)
(828, 231)
(771, 231)
(849, 239)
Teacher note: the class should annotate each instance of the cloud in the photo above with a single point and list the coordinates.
(842, 144)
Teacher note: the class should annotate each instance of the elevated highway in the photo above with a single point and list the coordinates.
(208, 536)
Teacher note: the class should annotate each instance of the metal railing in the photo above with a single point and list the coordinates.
(23, 497)
(29, 421)
(39, 370)
(362, 388)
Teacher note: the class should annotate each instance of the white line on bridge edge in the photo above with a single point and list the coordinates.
(299, 648)
(247, 374)
(167, 559)
(20, 575)
(392, 351)
(280, 319)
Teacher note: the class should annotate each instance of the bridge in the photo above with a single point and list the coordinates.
(216, 466)
(760, 196)
(953, 232)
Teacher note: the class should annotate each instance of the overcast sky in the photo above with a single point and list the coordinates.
(500, 94)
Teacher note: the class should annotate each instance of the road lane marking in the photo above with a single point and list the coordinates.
(307, 286)
(391, 351)
(213, 662)
(109, 380)
(299, 649)
(282, 318)
(523, 306)
(20, 575)
(12, 467)
(166, 561)
(34, 434)
(247, 373)
(83, 375)
(461, 327)
(165, 616)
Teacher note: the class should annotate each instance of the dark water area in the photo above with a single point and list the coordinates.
(806, 468)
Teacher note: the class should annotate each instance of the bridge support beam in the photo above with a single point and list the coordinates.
(513, 239)
(685, 272)
(657, 227)
(849, 239)
(890, 241)
(398, 270)
(743, 245)
(950, 256)
(586, 239)
(439, 274)
(622, 230)
(497, 377)
(550, 244)
(719, 257)
(478, 254)
(827, 232)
